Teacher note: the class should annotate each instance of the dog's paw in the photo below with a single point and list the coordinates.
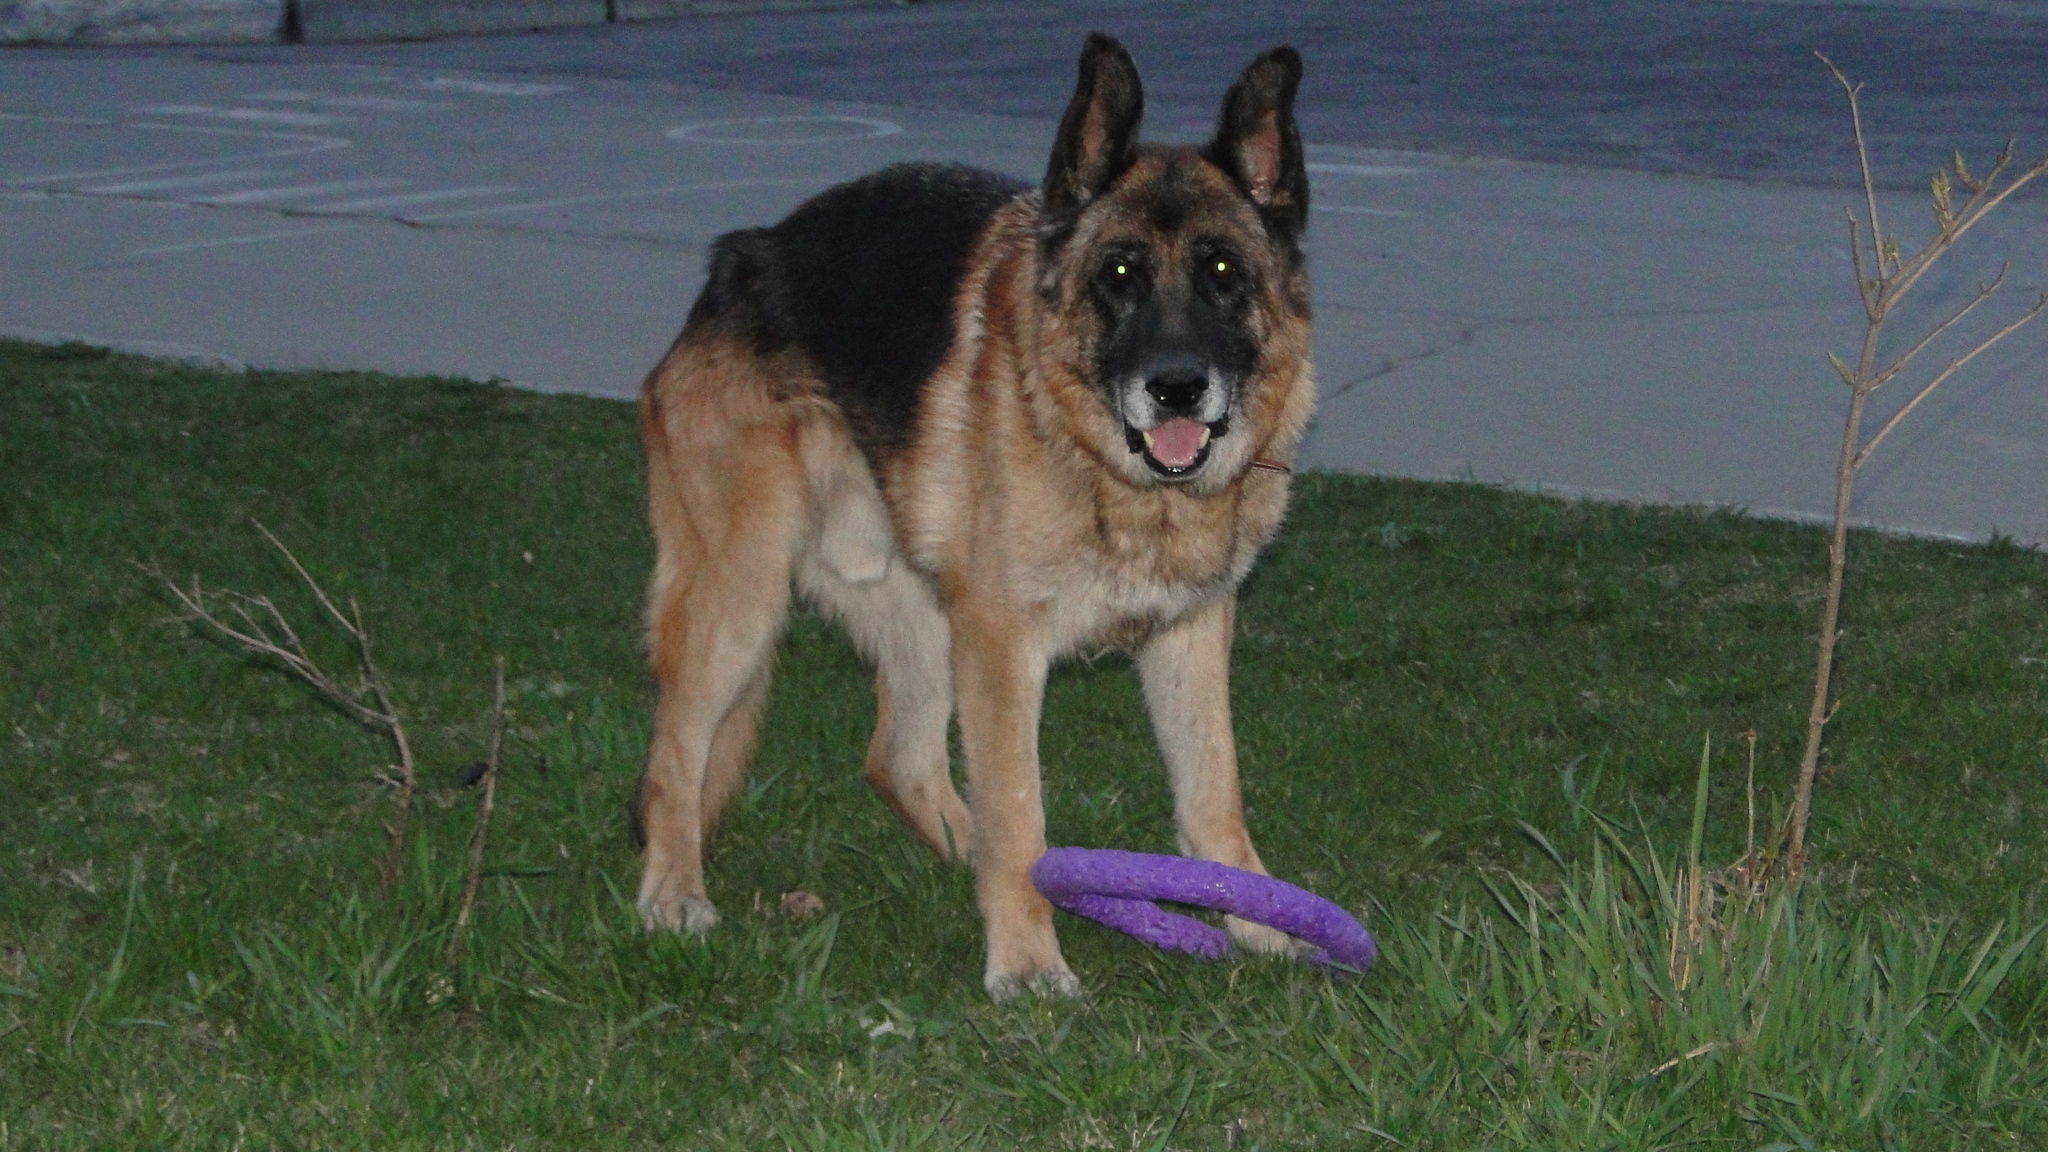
(1050, 983)
(1260, 940)
(691, 914)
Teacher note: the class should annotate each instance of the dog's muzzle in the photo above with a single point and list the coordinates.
(1172, 419)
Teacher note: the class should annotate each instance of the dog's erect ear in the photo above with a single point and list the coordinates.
(1099, 134)
(1257, 143)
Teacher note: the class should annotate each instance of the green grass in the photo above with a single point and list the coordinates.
(192, 952)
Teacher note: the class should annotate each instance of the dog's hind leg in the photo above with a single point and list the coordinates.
(857, 575)
(733, 747)
(714, 645)
(729, 510)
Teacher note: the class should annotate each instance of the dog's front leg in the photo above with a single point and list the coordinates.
(1185, 669)
(999, 678)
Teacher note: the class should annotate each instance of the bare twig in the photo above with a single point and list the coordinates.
(1899, 362)
(1985, 196)
(1863, 155)
(481, 834)
(1838, 550)
(1865, 286)
(319, 593)
(1880, 293)
(261, 630)
(1675, 1061)
(1980, 205)
(1954, 366)
(265, 632)
(1749, 843)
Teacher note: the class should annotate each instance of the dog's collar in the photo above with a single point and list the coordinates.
(1271, 465)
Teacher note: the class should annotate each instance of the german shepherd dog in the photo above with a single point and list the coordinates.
(985, 426)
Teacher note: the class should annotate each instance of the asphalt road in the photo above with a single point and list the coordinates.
(1713, 88)
(1598, 252)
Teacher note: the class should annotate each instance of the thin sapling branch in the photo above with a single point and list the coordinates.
(256, 626)
(480, 835)
(1881, 282)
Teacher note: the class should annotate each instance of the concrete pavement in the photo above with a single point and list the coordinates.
(1583, 329)
(1726, 88)
(338, 21)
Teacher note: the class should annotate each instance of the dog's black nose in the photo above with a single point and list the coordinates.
(1178, 390)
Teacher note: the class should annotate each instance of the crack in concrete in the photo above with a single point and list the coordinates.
(1467, 335)
(1393, 364)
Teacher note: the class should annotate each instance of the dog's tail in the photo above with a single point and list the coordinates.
(737, 300)
(737, 290)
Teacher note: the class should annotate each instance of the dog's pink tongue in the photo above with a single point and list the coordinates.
(1176, 442)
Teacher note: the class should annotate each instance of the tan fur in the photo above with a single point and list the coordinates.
(1016, 529)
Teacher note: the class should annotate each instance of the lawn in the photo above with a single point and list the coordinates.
(1474, 717)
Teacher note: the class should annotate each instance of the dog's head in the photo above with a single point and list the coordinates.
(1174, 276)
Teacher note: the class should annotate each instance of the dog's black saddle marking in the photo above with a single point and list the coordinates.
(862, 279)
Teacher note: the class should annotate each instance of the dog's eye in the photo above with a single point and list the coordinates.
(1222, 274)
(1121, 278)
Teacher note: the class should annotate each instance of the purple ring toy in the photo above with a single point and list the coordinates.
(1117, 889)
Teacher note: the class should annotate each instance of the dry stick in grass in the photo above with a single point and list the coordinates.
(482, 832)
(262, 630)
(1883, 278)
(1749, 869)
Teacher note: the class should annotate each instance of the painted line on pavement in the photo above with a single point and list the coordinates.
(169, 182)
(1359, 210)
(492, 87)
(783, 130)
(404, 199)
(295, 192)
(670, 190)
(1368, 170)
(232, 241)
(250, 115)
(365, 103)
(86, 121)
(313, 145)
